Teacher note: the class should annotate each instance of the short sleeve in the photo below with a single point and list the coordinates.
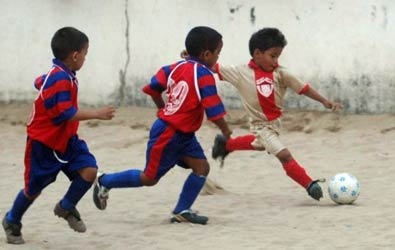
(210, 99)
(228, 73)
(289, 80)
(57, 98)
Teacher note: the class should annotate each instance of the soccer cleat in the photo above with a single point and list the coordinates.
(72, 216)
(13, 232)
(100, 194)
(314, 189)
(189, 216)
(219, 148)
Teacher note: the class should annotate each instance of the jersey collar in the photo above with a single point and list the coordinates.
(254, 66)
(58, 63)
(195, 59)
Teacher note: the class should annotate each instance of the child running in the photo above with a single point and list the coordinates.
(191, 92)
(52, 141)
(262, 85)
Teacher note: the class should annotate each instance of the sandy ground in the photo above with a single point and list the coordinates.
(258, 207)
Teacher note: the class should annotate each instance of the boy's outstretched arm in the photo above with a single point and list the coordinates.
(313, 94)
(104, 113)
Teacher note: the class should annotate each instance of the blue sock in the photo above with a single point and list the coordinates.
(21, 204)
(128, 178)
(76, 191)
(190, 191)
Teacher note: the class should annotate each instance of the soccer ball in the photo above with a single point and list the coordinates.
(343, 188)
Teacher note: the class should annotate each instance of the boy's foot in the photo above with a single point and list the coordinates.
(13, 232)
(72, 216)
(189, 216)
(219, 148)
(314, 189)
(100, 194)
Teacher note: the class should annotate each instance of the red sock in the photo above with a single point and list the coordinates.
(297, 173)
(240, 143)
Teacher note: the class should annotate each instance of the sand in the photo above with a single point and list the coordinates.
(254, 206)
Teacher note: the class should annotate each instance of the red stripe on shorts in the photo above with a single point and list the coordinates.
(28, 152)
(156, 151)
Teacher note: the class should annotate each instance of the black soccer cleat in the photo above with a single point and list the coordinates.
(314, 189)
(13, 232)
(189, 216)
(219, 147)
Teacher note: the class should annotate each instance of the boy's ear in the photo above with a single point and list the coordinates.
(74, 56)
(184, 54)
(206, 53)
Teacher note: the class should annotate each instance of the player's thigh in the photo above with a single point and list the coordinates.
(163, 150)
(159, 163)
(193, 157)
(80, 161)
(270, 140)
(41, 167)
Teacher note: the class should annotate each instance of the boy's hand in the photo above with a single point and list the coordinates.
(105, 113)
(334, 106)
(227, 133)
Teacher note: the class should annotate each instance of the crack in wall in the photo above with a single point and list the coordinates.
(252, 15)
(120, 97)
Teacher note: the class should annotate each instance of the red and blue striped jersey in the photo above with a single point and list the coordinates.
(191, 92)
(53, 108)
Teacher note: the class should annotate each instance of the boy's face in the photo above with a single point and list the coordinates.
(267, 60)
(211, 58)
(78, 58)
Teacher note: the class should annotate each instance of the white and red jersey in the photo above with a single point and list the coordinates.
(262, 93)
(191, 92)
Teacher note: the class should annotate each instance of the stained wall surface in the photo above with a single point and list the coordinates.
(343, 48)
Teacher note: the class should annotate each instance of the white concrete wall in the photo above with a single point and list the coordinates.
(344, 48)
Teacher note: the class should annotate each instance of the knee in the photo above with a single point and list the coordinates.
(202, 170)
(284, 156)
(146, 181)
(88, 174)
(31, 197)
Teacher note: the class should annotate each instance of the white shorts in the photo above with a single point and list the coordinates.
(267, 136)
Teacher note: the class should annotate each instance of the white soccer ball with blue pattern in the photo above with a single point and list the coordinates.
(343, 188)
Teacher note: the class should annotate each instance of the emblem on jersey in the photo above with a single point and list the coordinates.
(176, 94)
(265, 86)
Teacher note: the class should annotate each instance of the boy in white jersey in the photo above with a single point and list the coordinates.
(262, 84)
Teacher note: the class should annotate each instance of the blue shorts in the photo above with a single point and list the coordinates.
(166, 147)
(42, 164)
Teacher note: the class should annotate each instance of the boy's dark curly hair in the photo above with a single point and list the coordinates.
(265, 39)
(200, 39)
(67, 40)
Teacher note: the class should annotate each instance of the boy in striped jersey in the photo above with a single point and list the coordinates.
(191, 92)
(52, 141)
(262, 85)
